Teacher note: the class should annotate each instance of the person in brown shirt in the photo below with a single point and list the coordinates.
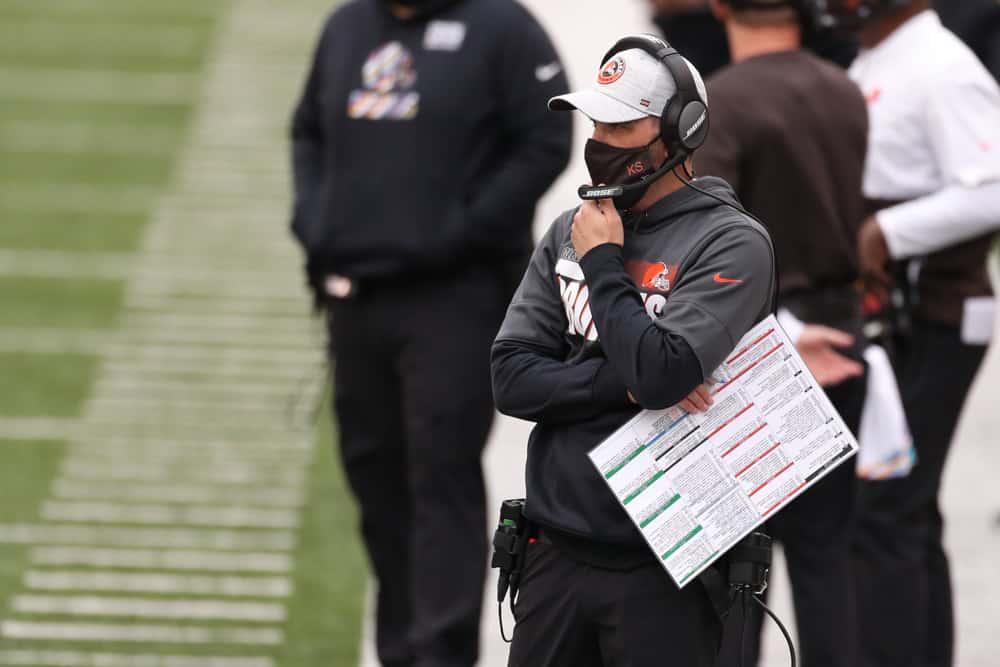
(789, 131)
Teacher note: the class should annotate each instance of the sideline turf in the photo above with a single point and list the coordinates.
(71, 36)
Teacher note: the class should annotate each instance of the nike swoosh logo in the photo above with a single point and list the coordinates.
(545, 73)
(725, 281)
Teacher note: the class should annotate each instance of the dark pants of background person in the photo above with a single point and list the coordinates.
(413, 402)
(904, 585)
(815, 532)
(570, 614)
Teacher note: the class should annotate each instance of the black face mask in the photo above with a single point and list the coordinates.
(609, 165)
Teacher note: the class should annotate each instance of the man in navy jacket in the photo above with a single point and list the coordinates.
(421, 145)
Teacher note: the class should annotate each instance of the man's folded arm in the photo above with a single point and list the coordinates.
(658, 367)
(530, 384)
(712, 304)
(531, 377)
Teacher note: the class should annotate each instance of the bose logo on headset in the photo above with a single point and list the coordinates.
(697, 124)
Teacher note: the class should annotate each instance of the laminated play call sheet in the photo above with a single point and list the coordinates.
(696, 484)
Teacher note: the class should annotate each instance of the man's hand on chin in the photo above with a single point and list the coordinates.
(596, 222)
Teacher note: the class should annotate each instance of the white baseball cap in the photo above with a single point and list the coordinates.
(631, 85)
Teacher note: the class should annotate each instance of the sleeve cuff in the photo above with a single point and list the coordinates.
(600, 256)
(888, 221)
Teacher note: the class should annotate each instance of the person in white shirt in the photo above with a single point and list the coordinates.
(932, 178)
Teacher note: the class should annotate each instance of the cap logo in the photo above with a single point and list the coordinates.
(612, 71)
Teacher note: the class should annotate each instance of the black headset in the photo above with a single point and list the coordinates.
(684, 120)
(840, 15)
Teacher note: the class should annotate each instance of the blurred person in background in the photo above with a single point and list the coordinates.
(691, 27)
(932, 179)
(789, 132)
(977, 22)
(420, 147)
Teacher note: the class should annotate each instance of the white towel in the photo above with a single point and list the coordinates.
(886, 444)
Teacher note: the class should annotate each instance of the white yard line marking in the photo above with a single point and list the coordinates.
(171, 559)
(235, 290)
(273, 323)
(34, 658)
(121, 9)
(36, 428)
(146, 607)
(293, 436)
(67, 85)
(187, 424)
(214, 454)
(285, 348)
(192, 371)
(64, 264)
(204, 347)
(264, 311)
(237, 472)
(229, 448)
(50, 36)
(112, 266)
(62, 198)
(67, 489)
(71, 137)
(158, 582)
(207, 390)
(131, 513)
(244, 409)
(160, 634)
(169, 538)
(194, 401)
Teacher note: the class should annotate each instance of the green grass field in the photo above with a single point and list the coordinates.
(87, 150)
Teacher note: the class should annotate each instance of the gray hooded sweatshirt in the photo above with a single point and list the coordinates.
(654, 318)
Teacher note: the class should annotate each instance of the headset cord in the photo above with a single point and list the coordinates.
(688, 180)
(503, 635)
(784, 630)
(745, 595)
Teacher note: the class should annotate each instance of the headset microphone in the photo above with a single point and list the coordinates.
(614, 191)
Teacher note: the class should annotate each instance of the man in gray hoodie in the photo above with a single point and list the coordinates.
(627, 303)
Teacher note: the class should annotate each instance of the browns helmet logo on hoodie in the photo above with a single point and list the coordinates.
(653, 276)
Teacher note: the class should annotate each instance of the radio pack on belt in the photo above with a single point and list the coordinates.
(509, 542)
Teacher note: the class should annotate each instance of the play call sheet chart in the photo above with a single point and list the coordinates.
(696, 484)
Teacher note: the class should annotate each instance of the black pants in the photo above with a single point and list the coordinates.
(573, 615)
(816, 532)
(413, 402)
(904, 584)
